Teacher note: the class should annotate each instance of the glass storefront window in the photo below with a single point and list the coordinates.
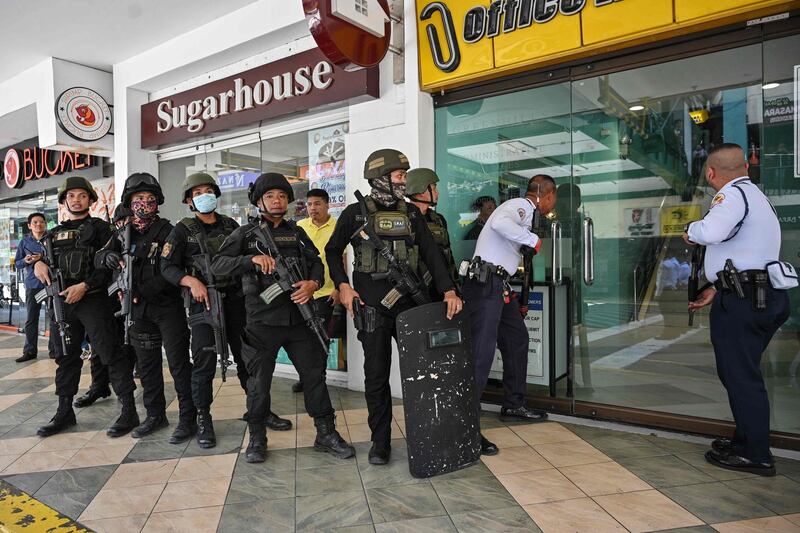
(14, 225)
(627, 151)
(309, 159)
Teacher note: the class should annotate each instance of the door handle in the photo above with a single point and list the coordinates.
(588, 251)
(556, 261)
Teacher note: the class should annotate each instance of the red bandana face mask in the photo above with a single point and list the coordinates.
(144, 212)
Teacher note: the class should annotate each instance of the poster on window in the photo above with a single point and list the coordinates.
(797, 121)
(326, 164)
(640, 222)
(674, 219)
(105, 205)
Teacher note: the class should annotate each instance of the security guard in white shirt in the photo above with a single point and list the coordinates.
(494, 309)
(742, 235)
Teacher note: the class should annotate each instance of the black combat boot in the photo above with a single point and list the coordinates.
(64, 418)
(257, 448)
(184, 431)
(276, 423)
(379, 453)
(150, 425)
(25, 357)
(91, 396)
(128, 418)
(206, 438)
(328, 439)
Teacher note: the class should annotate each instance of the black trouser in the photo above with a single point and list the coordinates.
(100, 379)
(92, 316)
(32, 310)
(377, 368)
(167, 325)
(260, 350)
(496, 324)
(324, 310)
(740, 335)
(204, 361)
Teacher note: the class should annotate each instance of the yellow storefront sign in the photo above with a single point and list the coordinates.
(674, 219)
(463, 41)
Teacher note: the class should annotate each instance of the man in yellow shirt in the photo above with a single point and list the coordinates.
(319, 226)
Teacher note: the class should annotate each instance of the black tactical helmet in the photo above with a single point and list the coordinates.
(267, 182)
(197, 179)
(121, 212)
(383, 162)
(418, 181)
(76, 182)
(141, 182)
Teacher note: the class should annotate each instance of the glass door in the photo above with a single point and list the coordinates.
(650, 130)
(780, 179)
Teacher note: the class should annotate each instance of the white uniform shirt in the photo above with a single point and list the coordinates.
(506, 231)
(758, 240)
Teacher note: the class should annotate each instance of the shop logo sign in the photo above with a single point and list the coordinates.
(11, 169)
(24, 164)
(193, 116)
(482, 22)
(297, 83)
(353, 34)
(83, 114)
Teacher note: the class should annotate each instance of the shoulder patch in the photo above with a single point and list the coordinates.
(166, 251)
(521, 213)
(718, 199)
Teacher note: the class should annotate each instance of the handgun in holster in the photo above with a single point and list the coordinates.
(365, 318)
(730, 279)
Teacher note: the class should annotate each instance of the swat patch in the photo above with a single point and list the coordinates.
(166, 252)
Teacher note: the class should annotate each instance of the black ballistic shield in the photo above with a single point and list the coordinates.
(438, 377)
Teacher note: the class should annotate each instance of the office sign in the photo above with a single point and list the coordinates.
(463, 41)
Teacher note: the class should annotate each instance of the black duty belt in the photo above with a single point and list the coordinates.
(750, 284)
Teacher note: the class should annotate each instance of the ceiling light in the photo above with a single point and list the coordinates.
(636, 107)
(772, 85)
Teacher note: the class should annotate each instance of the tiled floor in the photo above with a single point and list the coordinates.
(550, 477)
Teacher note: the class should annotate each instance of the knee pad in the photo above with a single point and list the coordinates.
(146, 341)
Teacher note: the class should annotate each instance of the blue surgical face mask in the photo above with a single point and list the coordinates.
(205, 203)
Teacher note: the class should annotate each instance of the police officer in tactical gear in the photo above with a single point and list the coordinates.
(88, 309)
(422, 191)
(157, 310)
(402, 226)
(100, 387)
(279, 323)
(209, 228)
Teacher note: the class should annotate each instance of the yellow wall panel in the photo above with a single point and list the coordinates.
(691, 9)
(475, 57)
(608, 22)
(539, 40)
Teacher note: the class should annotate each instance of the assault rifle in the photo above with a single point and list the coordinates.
(124, 283)
(53, 293)
(287, 272)
(698, 255)
(214, 317)
(403, 279)
(528, 254)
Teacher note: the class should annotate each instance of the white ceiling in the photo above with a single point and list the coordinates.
(97, 33)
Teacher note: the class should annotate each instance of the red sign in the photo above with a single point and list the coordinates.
(297, 83)
(353, 34)
(25, 164)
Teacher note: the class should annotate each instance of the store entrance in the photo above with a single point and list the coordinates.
(627, 151)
